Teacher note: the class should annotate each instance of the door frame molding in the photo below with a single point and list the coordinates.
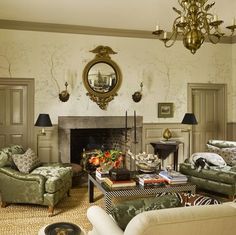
(209, 86)
(29, 82)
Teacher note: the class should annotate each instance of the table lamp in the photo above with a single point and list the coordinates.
(189, 119)
(42, 121)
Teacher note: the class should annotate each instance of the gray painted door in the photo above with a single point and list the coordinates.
(209, 107)
(16, 114)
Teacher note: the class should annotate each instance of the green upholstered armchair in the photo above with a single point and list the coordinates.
(46, 184)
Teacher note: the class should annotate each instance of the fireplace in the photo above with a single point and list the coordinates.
(109, 132)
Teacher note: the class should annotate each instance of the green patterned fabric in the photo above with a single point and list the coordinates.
(56, 174)
(221, 180)
(125, 211)
(222, 143)
(27, 161)
(45, 185)
(228, 154)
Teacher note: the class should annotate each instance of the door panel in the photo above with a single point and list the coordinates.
(208, 103)
(16, 115)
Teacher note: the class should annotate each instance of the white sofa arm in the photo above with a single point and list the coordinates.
(102, 223)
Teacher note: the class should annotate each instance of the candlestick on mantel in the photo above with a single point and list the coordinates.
(126, 125)
(135, 136)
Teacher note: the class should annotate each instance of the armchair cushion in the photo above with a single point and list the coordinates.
(27, 161)
(57, 175)
(123, 212)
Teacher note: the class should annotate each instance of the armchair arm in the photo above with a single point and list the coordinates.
(102, 223)
(20, 187)
(22, 176)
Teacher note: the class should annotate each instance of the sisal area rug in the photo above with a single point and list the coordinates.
(17, 219)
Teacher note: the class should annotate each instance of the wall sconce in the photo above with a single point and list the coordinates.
(42, 121)
(64, 95)
(189, 119)
(137, 96)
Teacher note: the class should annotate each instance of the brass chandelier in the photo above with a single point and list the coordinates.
(194, 24)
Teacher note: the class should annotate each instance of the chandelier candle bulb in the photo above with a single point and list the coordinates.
(157, 27)
(233, 21)
(165, 35)
(215, 18)
(181, 19)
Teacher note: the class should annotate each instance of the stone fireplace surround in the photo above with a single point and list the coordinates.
(66, 123)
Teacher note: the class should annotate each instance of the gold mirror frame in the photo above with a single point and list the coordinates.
(102, 94)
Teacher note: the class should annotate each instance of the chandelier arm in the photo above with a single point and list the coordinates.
(210, 36)
(172, 40)
(181, 3)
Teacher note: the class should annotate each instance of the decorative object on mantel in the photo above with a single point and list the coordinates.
(195, 24)
(137, 96)
(165, 110)
(102, 77)
(167, 134)
(189, 119)
(43, 120)
(64, 95)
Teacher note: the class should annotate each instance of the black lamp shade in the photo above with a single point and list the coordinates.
(189, 118)
(43, 120)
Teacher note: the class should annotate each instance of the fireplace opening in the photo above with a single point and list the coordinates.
(96, 138)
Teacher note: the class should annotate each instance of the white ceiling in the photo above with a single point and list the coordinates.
(121, 14)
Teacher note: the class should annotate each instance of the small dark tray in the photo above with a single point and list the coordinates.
(69, 228)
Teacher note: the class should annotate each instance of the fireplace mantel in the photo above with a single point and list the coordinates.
(66, 123)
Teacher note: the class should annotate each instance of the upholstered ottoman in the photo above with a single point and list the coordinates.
(58, 181)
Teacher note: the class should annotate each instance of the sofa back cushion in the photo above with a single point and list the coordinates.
(6, 154)
(27, 161)
(222, 143)
(228, 154)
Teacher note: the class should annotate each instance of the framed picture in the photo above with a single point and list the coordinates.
(165, 110)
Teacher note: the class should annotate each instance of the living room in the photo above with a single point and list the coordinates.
(47, 48)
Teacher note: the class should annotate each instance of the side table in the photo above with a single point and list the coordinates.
(164, 148)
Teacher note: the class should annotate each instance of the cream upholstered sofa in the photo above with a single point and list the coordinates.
(205, 220)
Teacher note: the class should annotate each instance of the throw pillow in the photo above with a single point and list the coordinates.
(27, 161)
(197, 200)
(125, 211)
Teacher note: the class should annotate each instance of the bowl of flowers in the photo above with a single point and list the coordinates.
(106, 160)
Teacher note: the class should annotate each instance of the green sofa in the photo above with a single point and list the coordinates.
(45, 184)
(217, 179)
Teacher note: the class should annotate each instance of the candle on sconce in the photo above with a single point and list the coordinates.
(233, 21)
(135, 136)
(126, 125)
(165, 35)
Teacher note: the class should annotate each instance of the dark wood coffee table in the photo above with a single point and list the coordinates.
(137, 190)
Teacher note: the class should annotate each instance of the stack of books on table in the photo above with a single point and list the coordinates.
(174, 177)
(151, 179)
(101, 175)
(119, 183)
